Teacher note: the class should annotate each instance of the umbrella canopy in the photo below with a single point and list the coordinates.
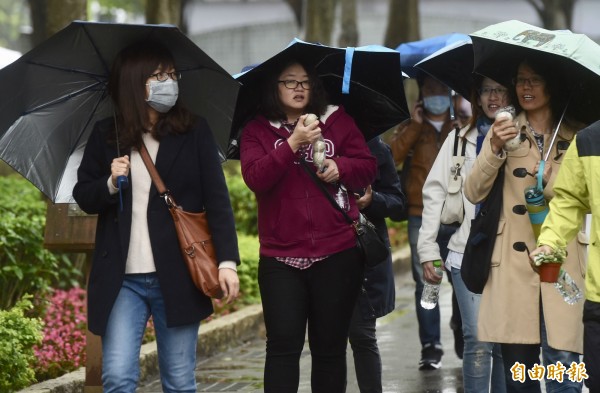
(499, 48)
(415, 51)
(453, 66)
(58, 91)
(367, 81)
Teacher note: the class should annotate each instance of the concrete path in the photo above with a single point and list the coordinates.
(240, 369)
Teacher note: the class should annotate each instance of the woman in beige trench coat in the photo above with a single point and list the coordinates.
(517, 310)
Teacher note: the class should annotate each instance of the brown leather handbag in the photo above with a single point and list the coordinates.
(194, 237)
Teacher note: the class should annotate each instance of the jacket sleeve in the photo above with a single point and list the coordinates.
(262, 169)
(404, 138)
(435, 189)
(570, 202)
(388, 198)
(481, 179)
(91, 191)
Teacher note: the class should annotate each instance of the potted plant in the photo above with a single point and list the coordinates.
(549, 264)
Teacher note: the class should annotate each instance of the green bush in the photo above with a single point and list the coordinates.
(248, 275)
(248, 270)
(25, 266)
(18, 335)
(243, 201)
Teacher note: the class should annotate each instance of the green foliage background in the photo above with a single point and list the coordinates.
(25, 266)
(18, 335)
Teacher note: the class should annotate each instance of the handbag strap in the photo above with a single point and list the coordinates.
(324, 190)
(156, 179)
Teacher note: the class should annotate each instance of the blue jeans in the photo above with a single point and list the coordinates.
(139, 298)
(482, 361)
(429, 320)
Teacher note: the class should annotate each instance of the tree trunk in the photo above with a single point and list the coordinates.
(555, 14)
(297, 8)
(163, 11)
(349, 30)
(183, 26)
(403, 22)
(51, 16)
(320, 16)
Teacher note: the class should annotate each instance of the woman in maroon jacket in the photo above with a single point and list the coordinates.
(310, 270)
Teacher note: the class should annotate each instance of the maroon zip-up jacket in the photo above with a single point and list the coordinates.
(294, 217)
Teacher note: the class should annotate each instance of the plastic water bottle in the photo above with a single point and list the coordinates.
(567, 288)
(341, 197)
(431, 292)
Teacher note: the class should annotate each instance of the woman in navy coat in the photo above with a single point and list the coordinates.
(138, 270)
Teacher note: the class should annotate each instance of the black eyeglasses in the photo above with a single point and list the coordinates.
(488, 91)
(292, 84)
(163, 76)
(533, 81)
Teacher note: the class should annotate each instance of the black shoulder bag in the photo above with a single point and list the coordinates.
(477, 259)
(372, 246)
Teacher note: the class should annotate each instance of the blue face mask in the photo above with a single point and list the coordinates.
(436, 104)
(162, 96)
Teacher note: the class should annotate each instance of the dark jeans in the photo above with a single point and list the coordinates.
(322, 296)
(367, 361)
(591, 344)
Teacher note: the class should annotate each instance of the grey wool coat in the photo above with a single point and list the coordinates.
(514, 297)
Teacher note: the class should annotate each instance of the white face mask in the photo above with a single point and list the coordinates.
(162, 96)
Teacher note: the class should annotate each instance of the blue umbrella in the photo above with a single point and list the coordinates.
(415, 51)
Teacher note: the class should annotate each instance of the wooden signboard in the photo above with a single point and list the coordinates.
(69, 229)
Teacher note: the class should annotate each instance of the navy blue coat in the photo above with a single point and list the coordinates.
(378, 293)
(191, 169)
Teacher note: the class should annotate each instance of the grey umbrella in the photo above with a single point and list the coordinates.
(57, 91)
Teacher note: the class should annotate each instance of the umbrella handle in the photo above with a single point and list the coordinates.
(122, 183)
(540, 176)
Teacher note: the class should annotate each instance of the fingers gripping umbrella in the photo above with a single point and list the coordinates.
(499, 48)
(415, 51)
(452, 65)
(58, 91)
(367, 81)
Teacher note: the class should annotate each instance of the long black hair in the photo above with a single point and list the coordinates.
(127, 87)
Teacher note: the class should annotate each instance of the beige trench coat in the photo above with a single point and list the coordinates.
(510, 303)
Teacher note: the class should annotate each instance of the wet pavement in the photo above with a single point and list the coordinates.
(240, 369)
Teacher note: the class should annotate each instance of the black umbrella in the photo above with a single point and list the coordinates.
(57, 91)
(453, 66)
(367, 81)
